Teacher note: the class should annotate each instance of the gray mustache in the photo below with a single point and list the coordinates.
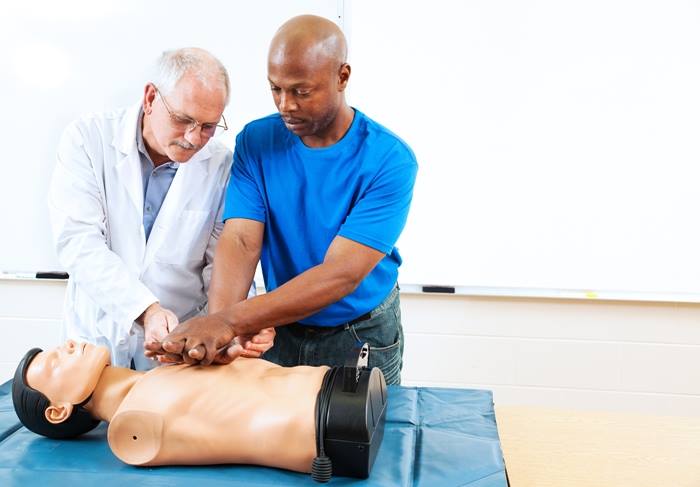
(185, 145)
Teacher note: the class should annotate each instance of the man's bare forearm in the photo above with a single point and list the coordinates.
(304, 295)
(341, 272)
(234, 268)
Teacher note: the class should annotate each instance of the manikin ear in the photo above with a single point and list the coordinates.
(58, 413)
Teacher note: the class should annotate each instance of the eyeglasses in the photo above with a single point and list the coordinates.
(188, 124)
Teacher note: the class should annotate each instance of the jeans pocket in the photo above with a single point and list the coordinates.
(387, 349)
(380, 334)
(389, 361)
(384, 335)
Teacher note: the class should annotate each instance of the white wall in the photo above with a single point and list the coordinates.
(563, 353)
(30, 316)
(623, 356)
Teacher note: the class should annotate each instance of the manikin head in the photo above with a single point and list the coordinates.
(308, 74)
(50, 388)
(183, 104)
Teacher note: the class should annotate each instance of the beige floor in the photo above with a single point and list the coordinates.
(549, 447)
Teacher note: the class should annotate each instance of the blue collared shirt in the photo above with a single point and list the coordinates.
(156, 182)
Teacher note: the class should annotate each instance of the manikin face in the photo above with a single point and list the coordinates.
(191, 100)
(67, 374)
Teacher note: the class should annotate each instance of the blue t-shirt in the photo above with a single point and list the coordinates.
(359, 188)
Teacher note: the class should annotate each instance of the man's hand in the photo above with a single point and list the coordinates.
(207, 339)
(202, 340)
(255, 345)
(157, 323)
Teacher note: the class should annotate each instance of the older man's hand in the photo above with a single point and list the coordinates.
(157, 323)
(255, 345)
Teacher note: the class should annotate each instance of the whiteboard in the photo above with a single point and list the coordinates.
(65, 58)
(558, 142)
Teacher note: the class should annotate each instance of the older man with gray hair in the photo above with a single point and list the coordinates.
(135, 201)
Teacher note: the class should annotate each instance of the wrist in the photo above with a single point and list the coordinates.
(152, 308)
(238, 318)
(223, 316)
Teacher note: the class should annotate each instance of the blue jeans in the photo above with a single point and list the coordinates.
(297, 344)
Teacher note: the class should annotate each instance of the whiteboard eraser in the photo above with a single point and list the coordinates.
(439, 289)
(51, 275)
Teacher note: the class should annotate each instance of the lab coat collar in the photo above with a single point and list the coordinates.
(128, 166)
(125, 133)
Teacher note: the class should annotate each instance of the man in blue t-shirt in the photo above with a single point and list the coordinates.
(319, 194)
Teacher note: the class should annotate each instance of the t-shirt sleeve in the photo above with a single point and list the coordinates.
(243, 195)
(380, 214)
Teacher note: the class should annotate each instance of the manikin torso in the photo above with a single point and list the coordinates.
(250, 411)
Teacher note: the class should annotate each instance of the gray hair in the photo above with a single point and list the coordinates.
(173, 65)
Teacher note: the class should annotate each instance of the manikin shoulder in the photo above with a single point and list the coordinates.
(135, 437)
(135, 433)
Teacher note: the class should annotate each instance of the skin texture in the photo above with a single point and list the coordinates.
(308, 76)
(190, 415)
(157, 323)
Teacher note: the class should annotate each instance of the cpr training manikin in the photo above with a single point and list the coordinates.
(307, 419)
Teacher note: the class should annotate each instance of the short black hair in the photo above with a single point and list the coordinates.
(31, 404)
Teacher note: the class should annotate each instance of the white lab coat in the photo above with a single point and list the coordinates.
(96, 207)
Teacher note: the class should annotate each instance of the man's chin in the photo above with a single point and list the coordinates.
(299, 129)
(178, 154)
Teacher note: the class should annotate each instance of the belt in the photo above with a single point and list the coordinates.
(317, 328)
(357, 320)
(364, 317)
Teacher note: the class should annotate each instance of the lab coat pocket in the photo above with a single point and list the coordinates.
(186, 238)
